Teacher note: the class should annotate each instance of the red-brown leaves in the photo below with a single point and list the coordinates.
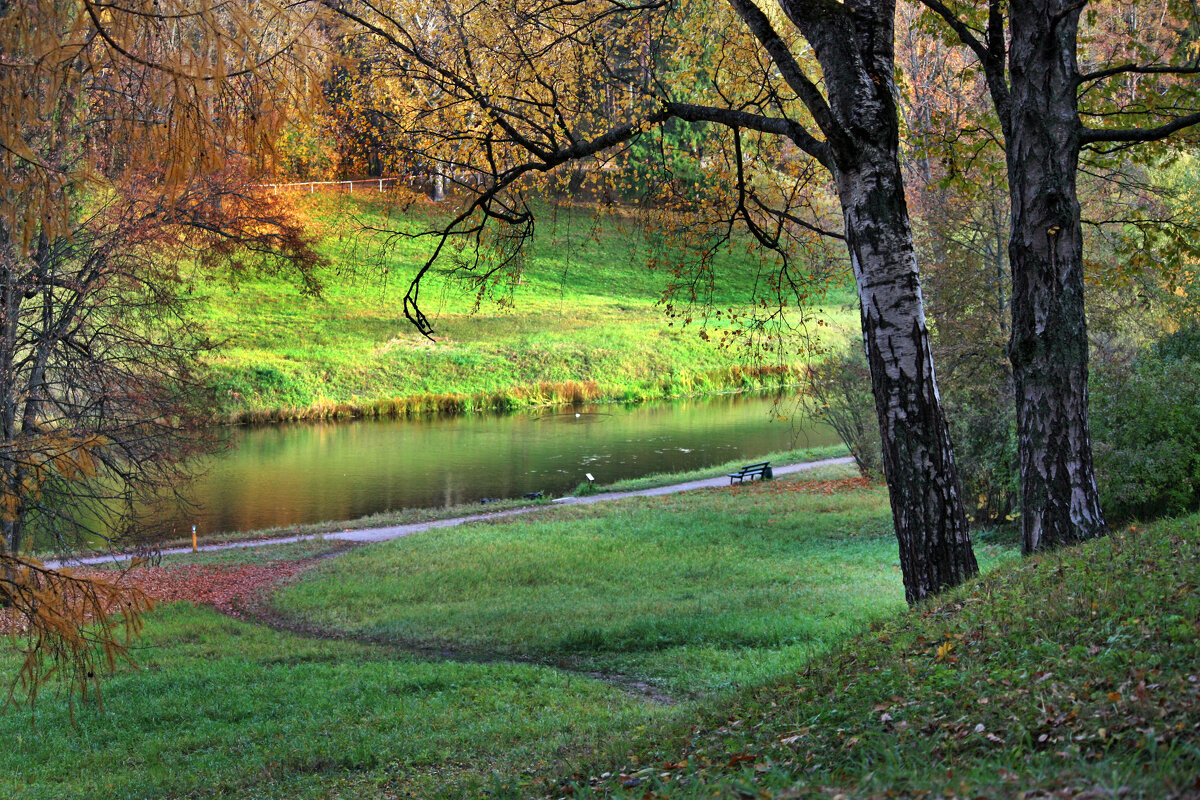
(226, 587)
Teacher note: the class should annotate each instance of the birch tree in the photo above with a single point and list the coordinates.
(1068, 78)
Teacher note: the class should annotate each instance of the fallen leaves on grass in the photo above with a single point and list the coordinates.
(1080, 665)
(826, 487)
(226, 587)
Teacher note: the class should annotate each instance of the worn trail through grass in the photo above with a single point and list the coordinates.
(243, 590)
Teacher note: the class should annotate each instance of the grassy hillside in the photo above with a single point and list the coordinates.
(583, 323)
(1075, 674)
(531, 657)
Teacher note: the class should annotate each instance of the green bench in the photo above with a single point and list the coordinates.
(762, 470)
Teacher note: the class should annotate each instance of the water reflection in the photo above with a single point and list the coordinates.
(289, 474)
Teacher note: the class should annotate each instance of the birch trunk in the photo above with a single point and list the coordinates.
(1049, 345)
(856, 53)
(931, 525)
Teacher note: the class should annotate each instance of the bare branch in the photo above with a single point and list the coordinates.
(788, 67)
(1136, 69)
(732, 118)
(1138, 135)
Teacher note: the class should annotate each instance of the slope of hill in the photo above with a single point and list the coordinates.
(583, 320)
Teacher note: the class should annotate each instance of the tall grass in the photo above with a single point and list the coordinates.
(543, 393)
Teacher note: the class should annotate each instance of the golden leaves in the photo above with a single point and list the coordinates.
(39, 457)
(169, 87)
(71, 625)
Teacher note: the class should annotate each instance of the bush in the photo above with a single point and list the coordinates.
(1146, 430)
(983, 428)
(838, 393)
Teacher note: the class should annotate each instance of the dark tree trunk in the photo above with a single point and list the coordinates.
(855, 50)
(1049, 346)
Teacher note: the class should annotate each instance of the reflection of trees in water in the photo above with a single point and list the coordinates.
(307, 473)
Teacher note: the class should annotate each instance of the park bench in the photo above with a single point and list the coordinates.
(762, 470)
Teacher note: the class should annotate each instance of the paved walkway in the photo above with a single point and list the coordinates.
(396, 531)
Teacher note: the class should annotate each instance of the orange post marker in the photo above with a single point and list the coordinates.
(193, 538)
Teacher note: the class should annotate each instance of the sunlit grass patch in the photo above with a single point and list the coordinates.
(691, 591)
(586, 312)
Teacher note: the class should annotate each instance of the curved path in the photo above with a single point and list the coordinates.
(396, 531)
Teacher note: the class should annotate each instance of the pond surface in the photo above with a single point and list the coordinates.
(289, 474)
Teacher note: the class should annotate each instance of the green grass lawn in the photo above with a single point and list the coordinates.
(222, 708)
(695, 594)
(773, 613)
(584, 318)
(692, 592)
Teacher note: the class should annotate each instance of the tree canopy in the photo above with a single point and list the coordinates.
(128, 137)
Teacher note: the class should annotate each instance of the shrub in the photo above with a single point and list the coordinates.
(1146, 430)
(838, 393)
(980, 414)
(983, 427)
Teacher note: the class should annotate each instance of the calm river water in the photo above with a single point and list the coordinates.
(288, 474)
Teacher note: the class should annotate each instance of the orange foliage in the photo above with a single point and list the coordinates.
(68, 623)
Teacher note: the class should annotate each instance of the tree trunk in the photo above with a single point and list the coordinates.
(856, 55)
(1049, 345)
(931, 524)
(438, 192)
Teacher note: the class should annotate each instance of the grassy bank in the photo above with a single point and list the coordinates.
(777, 458)
(583, 323)
(1075, 674)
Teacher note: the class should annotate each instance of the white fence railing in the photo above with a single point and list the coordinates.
(366, 184)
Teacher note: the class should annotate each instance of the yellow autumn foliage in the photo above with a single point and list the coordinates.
(65, 625)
